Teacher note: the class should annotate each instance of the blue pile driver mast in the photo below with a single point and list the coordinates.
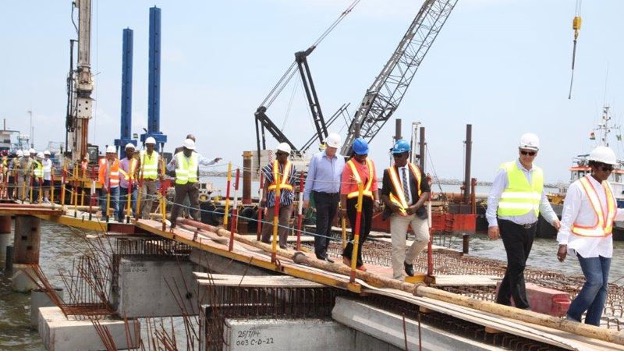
(126, 92)
(153, 97)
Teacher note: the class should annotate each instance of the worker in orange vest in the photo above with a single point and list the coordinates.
(109, 179)
(360, 169)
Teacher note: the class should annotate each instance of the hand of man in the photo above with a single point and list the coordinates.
(493, 232)
(376, 205)
(306, 204)
(562, 252)
(557, 224)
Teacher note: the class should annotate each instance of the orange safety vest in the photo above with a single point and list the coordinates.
(398, 196)
(284, 182)
(604, 222)
(114, 173)
(367, 189)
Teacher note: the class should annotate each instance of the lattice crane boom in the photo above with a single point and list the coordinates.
(385, 94)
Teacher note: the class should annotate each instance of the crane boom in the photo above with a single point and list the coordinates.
(385, 94)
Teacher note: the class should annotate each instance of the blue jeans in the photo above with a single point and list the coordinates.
(593, 295)
(123, 202)
(114, 201)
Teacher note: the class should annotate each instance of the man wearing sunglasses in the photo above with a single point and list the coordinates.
(587, 219)
(515, 201)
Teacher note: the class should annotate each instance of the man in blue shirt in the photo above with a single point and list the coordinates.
(323, 184)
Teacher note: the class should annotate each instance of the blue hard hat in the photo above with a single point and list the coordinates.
(360, 147)
(401, 146)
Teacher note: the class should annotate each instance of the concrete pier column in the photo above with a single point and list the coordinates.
(26, 242)
(40, 298)
(5, 236)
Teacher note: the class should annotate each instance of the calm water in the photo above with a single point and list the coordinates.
(60, 245)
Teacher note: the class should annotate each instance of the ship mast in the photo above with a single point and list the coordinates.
(604, 128)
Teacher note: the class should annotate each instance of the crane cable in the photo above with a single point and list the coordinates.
(290, 72)
(576, 26)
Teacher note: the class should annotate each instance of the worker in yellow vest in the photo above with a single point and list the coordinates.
(360, 169)
(185, 164)
(285, 171)
(589, 210)
(37, 170)
(515, 201)
(404, 191)
(149, 175)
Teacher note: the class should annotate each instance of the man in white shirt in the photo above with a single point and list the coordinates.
(589, 210)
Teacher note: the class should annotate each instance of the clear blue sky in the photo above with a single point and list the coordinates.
(501, 65)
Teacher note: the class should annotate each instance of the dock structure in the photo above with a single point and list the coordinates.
(249, 295)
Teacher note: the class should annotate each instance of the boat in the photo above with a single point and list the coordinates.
(580, 168)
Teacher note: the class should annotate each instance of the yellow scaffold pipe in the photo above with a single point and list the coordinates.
(227, 198)
(356, 230)
(276, 213)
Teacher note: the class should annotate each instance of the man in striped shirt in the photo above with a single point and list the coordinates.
(280, 174)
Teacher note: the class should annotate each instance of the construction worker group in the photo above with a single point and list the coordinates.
(26, 176)
(348, 186)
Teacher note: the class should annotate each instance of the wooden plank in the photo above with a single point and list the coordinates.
(254, 281)
(465, 280)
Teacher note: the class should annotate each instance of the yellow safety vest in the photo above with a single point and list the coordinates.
(398, 196)
(604, 222)
(520, 197)
(367, 188)
(37, 169)
(186, 169)
(284, 182)
(149, 165)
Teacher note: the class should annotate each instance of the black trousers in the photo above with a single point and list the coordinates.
(366, 221)
(181, 191)
(518, 240)
(326, 207)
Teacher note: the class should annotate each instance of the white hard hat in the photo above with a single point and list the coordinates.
(284, 147)
(529, 141)
(603, 154)
(25, 152)
(130, 145)
(40, 155)
(111, 149)
(47, 152)
(333, 140)
(189, 144)
(32, 151)
(150, 140)
(20, 153)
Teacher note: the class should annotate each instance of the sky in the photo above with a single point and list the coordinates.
(503, 66)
